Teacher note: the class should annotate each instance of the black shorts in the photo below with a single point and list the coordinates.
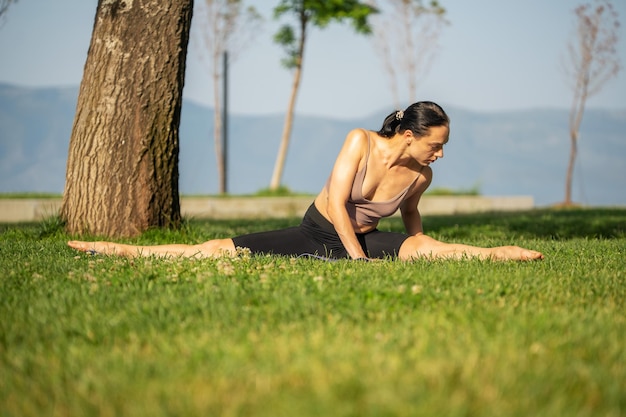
(317, 236)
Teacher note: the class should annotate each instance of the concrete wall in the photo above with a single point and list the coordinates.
(33, 209)
(28, 209)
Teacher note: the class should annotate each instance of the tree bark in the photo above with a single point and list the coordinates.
(122, 168)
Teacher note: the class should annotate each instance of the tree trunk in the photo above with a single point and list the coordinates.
(409, 57)
(576, 116)
(570, 168)
(122, 168)
(279, 166)
(217, 124)
(284, 142)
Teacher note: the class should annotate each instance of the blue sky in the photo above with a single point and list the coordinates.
(495, 55)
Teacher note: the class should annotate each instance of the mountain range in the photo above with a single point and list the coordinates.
(500, 153)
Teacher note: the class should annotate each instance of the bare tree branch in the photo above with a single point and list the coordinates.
(406, 35)
(593, 60)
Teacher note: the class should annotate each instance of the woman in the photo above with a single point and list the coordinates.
(375, 174)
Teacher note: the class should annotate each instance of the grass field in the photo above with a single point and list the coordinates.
(88, 335)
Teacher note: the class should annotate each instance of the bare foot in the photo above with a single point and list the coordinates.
(104, 248)
(515, 253)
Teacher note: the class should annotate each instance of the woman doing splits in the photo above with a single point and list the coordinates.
(375, 174)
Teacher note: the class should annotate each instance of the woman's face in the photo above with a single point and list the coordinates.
(427, 149)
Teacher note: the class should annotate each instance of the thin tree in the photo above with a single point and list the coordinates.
(317, 13)
(593, 60)
(224, 27)
(122, 167)
(409, 49)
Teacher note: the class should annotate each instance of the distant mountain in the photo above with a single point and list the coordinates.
(505, 153)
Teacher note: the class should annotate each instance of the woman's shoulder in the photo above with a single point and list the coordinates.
(358, 133)
(357, 139)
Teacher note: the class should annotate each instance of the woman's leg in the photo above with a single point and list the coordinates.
(211, 248)
(422, 246)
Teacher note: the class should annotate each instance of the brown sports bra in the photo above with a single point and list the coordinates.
(367, 212)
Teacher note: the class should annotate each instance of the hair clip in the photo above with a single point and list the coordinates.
(399, 115)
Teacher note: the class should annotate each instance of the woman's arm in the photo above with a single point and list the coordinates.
(340, 187)
(410, 213)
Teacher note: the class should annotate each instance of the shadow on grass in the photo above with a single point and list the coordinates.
(545, 224)
(558, 224)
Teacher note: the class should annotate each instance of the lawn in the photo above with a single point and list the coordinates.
(85, 335)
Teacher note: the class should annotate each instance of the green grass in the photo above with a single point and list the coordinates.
(28, 195)
(266, 336)
(443, 191)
